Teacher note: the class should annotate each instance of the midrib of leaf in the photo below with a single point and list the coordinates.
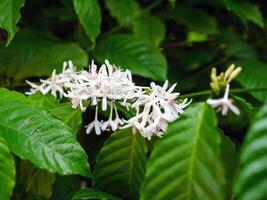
(41, 144)
(192, 158)
(131, 166)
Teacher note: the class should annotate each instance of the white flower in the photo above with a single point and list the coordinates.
(224, 104)
(94, 124)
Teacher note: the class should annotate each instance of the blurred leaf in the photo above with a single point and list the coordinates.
(185, 163)
(10, 15)
(36, 181)
(65, 187)
(133, 53)
(63, 111)
(121, 163)
(38, 55)
(253, 75)
(196, 37)
(246, 11)
(123, 10)
(251, 182)
(90, 193)
(149, 28)
(230, 160)
(89, 15)
(194, 19)
(34, 134)
(7, 171)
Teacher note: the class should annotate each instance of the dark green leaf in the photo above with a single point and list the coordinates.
(34, 134)
(89, 16)
(38, 55)
(7, 171)
(133, 53)
(121, 164)
(149, 28)
(123, 10)
(90, 193)
(251, 182)
(253, 75)
(10, 15)
(185, 163)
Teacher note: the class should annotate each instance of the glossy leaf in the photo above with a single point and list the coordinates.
(37, 55)
(89, 15)
(7, 171)
(251, 182)
(185, 163)
(10, 15)
(123, 10)
(133, 53)
(90, 193)
(144, 27)
(121, 163)
(254, 75)
(63, 111)
(34, 134)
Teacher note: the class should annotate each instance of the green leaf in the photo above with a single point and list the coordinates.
(133, 53)
(149, 28)
(121, 164)
(10, 15)
(90, 17)
(90, 193)
(230, 160)
(7, 171)
(253, 75)
(34, 134)
(36, 181)
(196, 37)
(251, 182)
(123, 10)
(246, 11)
(185, 163)
(37, 55)
(63, 111)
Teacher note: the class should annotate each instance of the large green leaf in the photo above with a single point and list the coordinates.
(7, 171)
(63, 111)
(37, 55)
(145, 26)
(246, 11)
(253, 75)
(252, 182)
(131, 52)
(121, 164)
(123, 10)
(90, 193)
(185, 163)
(10, 15)
(89, 15)
(35, 135)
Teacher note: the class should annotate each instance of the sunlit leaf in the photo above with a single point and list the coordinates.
(90, 193)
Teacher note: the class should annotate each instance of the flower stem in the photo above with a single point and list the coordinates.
(233, 91)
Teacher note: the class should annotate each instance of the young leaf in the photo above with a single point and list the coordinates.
(34, 134)
(10, 15)
(90, 193)
(89, 15)
(32, 49)
(251, 182)
(121, 163)
(133, 53)
(185, 163)
(123, 10)
(254, 75)
(7, 171)
(149, 28)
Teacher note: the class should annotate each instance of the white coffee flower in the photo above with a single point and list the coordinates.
(224, 104)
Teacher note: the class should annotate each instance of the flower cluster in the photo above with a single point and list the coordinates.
(109, 86)
(219, 82)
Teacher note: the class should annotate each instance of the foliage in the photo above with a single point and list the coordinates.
(45, 152)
